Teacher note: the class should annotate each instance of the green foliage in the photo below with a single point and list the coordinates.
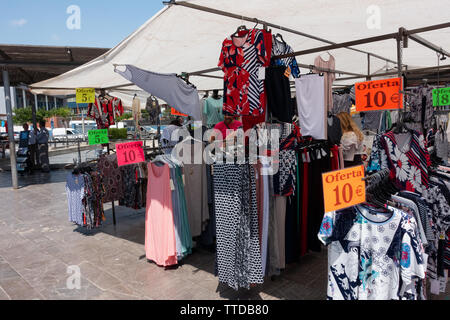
(65, 113)
(125, 116)
(145, 114)
(117, 134)
(23, 115)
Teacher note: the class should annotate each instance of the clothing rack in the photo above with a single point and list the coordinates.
(113, 207)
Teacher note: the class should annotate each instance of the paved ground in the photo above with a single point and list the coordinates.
(38, 246)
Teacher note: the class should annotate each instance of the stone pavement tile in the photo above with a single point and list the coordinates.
(19, 289)
(46, 274)
(7, 272)
(101, 278)
(60, 291)
(108, 295)
(4, 295)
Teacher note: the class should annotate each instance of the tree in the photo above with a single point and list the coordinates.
(23, 115)
(65, 113)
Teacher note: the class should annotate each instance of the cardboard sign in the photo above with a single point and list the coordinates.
(176, 113)
(129, 153)
(441, 97)
(379, 95)
(99, 136)
(85, 95)
(343, 188)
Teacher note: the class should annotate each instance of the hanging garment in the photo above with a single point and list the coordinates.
(423, 212)
(104, 111)
(168, 87)
(285, 179)
(93, 200)
(329, 79)
(132, 195)
(238, 250)
(334, 130)
(408, 164)
(112, 177)
(439, 212)
(372, 256)
(169, 137)
(136, 108)
(160, 245)
(212, 108)
(265, 212)
(378, 157)
(280, 229)
(279, 48)
(182, 230)
(421, 107)
(209, 234)
(153, 109)
(196, 190)
(441, 143)
(279, 94)
(310, 101)
(319, 164)
(243, 90)
(371, 120)
(341, 103)
(75, 195)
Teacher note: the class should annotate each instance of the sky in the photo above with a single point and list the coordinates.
(102, 23)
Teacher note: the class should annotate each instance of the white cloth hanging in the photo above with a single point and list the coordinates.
(168, 87)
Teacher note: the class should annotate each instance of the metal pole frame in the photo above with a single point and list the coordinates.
(12, 144)
(264, 23)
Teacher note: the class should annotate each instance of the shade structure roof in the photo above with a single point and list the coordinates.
(29, 64)
(180, 39)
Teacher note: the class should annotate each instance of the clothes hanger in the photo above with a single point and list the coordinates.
(281, 37)
(238, 30)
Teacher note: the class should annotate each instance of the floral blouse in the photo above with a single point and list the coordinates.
(243, 90)
(408, 169)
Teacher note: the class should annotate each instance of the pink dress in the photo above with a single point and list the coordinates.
(160, 245)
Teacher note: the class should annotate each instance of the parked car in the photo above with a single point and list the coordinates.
(147, 132)
(5, 136)
(61, 134)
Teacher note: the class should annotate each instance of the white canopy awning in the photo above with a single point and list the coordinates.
(179, 39)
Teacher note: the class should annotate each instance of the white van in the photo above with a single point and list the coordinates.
(61, 134)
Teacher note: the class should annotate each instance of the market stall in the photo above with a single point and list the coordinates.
(388, 244)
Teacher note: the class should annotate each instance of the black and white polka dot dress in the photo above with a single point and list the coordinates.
(238, 250)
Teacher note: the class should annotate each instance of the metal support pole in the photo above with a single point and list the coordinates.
(33, 112)
(54, 102)
(79, 150)
(24, 97)
(46, 102)
(12, 144)
(368, 68)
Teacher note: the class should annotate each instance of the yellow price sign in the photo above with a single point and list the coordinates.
(85, 95)
(343, 188)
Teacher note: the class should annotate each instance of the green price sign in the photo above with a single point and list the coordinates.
(98, 136)
(441, 97)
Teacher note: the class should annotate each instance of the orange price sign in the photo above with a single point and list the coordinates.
(343, 188)
(379, 95)
(177, 113)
